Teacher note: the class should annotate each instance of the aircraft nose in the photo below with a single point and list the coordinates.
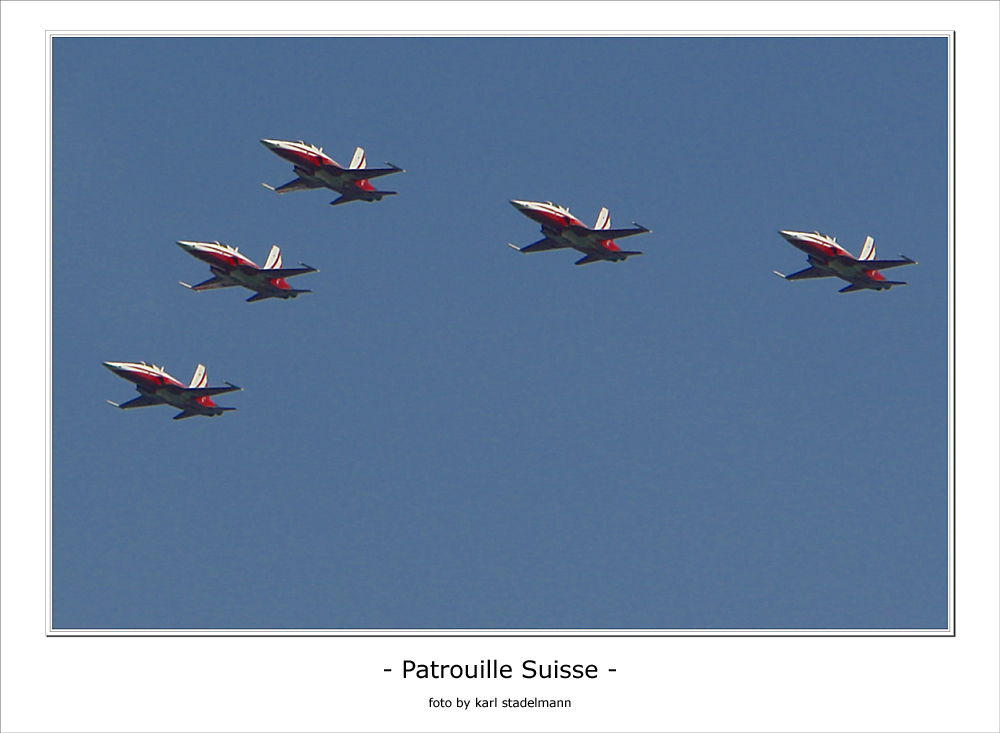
(519, 205)
(185, 245)
(112, 365)
(272, 144)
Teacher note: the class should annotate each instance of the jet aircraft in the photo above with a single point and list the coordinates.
(156, 387)
(563, 230)
(230, 268)
(316, 169)
(829, 259)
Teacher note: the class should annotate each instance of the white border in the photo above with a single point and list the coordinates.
(675, 684)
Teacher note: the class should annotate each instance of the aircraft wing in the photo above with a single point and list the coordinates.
(806, 274)
(299, 184)
(619, 233)
(606, 234)
(541, 245)
(211, 284)
(285, 272)
(884, 264)
(209, 391)
(145, 400)
(363, 174)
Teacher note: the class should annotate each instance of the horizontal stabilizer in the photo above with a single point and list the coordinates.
(212, 413)
(880, 285)
(362, 196)
(283, 293)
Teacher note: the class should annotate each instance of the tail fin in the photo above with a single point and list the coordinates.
(358, 161)
(868, 251)
(273, 258)
(200, 378)
(603, 220)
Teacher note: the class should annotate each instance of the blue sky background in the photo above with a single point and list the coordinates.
(447, 434)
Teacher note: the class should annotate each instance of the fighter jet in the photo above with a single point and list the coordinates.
(316, 169)
(230, 268)
(156, 387)
(563, 230)
(829, 259)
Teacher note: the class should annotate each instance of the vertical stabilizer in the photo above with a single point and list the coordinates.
(273, 258)
(358, 161)
(868, 251)
(603, 220)
(200, 378)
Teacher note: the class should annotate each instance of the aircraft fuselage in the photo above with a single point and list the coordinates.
(229, 265)
(159, 388)
(826, 255)
(152, 381)
(559, 224)
(316, 169)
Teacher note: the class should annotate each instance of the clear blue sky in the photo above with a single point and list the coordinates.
(448, 434)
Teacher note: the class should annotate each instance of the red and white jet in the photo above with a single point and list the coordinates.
(316, 169)
(563, 230)
(230, 268)
(829, 259)
(156, 387)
